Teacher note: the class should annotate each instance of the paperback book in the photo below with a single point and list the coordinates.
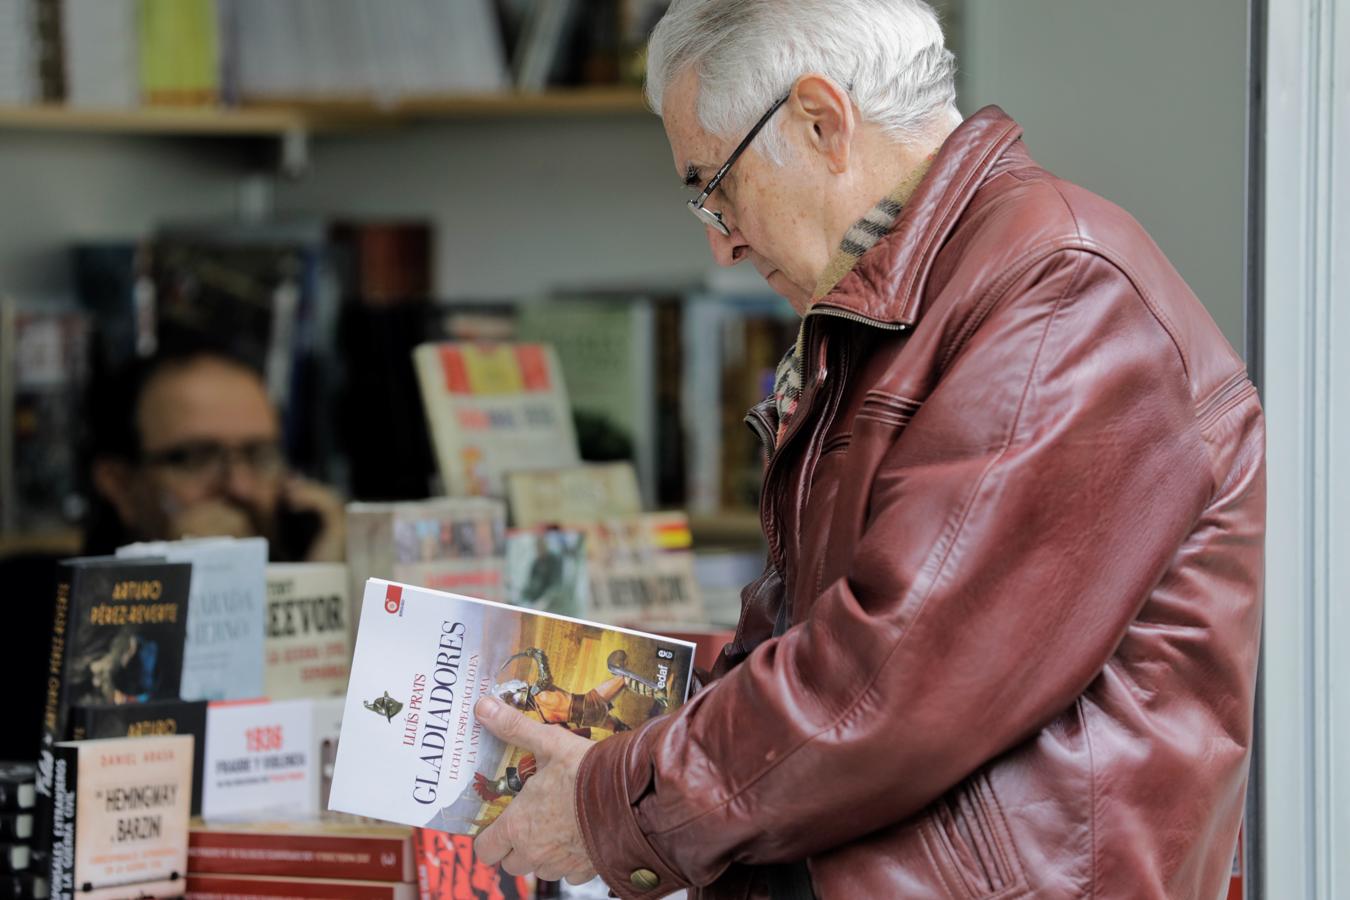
(546, 569)
(574, 494)
(118, 630)
(493, 408)
(119, 817)
(308, 648)
(452, 544)
(223, 658)
(412, 750)
(152, 719)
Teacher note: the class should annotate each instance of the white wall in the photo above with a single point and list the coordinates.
(519, 205)
(1143, 102)
(56, 189)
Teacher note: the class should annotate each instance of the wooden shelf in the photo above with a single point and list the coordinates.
(153, 120)
(281, 117)
(62, 541)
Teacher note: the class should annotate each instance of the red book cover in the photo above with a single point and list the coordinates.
(448, 870)
(370, 853)
(249, 887)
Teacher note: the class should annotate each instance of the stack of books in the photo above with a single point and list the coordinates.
(18, 795)
(316, 859)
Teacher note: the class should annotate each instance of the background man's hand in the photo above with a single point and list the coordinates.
(538, 833)
(303, 495)
(212, 518)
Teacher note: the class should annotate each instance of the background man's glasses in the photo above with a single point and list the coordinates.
(207, 460)
(712, 217)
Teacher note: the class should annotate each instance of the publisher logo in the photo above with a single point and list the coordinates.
(393, 599)
(383, 706)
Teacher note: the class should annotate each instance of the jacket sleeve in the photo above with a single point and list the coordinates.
(1015, 528)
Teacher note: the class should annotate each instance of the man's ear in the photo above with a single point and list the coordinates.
(112, 479)
(826, 111)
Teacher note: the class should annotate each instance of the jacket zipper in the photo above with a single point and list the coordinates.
(803, 413)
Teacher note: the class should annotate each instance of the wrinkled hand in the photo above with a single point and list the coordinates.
(330, 544)
(211, 518)
(538, 833)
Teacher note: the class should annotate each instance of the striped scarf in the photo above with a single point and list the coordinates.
(862, 236)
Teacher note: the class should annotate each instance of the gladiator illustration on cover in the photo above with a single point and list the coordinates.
(578, 713)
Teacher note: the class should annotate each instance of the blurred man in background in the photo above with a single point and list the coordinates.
(182, 444)
(189, 445)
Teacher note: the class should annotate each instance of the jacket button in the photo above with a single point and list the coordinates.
(644, 879)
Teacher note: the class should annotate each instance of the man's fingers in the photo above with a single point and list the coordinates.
(580, 876)
(515, 864)
(492, 844)
(514, 727)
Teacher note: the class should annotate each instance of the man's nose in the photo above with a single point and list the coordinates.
(727, 249)
(241, 480)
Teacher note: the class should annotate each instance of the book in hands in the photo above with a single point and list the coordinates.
(411, 748)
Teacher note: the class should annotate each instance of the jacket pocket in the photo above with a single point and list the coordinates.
(971, 844)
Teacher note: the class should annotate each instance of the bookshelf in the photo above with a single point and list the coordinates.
(282, 117)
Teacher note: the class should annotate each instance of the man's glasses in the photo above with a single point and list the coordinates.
(712, 217)
(209, 461)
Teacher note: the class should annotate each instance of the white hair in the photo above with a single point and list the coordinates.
(888, 54)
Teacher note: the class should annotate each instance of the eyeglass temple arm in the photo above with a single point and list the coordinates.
(740, 148)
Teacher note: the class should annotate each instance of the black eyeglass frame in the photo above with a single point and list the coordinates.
(711, 217)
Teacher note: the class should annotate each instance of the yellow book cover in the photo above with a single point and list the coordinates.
(180, 52)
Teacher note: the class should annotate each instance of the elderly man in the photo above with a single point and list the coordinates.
(1006, 642)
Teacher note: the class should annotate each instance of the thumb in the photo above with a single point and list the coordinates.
(516, 728)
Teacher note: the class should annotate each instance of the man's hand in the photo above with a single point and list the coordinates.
(538, 833)
(303, 495)
(211, 518)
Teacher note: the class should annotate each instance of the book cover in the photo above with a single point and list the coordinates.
(606, 348)
(546, 569)
(493, 408)
(440, 543)
(118, 629)
(254, 887)
(223, 658)
(642, 570)
(303, 850)
(261, 760)
(576, 494)
(447, 869)
(120, 817)
(308, 633)
(151, 719)
(412, 751)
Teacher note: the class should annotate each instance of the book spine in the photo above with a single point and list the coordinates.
(217, 887)
(364, 858)
(61, 830)
(54, 715)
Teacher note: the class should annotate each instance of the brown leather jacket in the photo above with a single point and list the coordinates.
(1019, 520)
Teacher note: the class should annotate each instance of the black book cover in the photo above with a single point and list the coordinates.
(150, 719)
(118, 629)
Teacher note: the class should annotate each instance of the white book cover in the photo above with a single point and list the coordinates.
(261, 760)
(223, 655)
(308, 646)
(120, 816)
(412, 751)
(494, 408)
